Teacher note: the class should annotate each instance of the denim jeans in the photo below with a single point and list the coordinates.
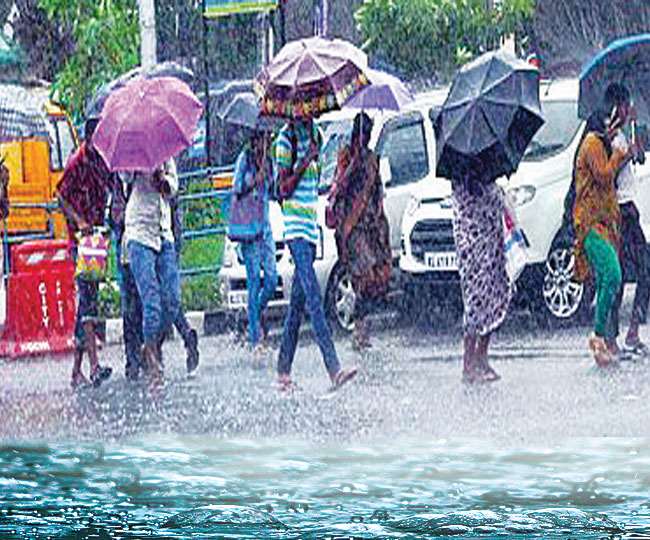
(131, 308)
(305, 293)
(259, 256)
(157, 279)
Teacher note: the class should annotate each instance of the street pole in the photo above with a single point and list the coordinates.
(147, 11)
(206, 85)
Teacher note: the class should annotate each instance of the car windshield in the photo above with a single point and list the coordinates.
(558, 130)
(335, 134)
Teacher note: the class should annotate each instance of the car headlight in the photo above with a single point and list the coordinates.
(521, 195)
(412, 206)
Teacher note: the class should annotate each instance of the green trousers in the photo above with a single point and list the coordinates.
(605, 265)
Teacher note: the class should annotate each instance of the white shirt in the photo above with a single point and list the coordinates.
(627, 181)
(148, 215)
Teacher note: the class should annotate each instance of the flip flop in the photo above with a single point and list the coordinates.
(100, 375)
(638, 349)
(343, 376)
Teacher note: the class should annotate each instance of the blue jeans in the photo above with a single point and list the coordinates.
(158, 282)
(305, 293)
(131, 308)
(259, 256)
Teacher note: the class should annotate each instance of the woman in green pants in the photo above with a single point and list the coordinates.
(597, 218)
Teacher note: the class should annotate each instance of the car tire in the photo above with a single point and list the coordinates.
(561, 300)
(340, 300)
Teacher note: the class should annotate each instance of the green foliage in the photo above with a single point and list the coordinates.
(426, 37)
(106, 38)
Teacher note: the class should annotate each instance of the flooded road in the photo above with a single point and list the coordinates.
(554, 450)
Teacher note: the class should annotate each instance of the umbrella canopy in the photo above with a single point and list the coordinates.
(385, 92)
(490, 116)
(243, 111)
(21, 115)
(625, 61)
(163, 69)
(147, 122)
(310, 77)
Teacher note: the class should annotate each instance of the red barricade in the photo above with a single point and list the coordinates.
(41, 300)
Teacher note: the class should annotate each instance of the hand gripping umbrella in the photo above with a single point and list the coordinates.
(490, 116)
(625, 61)
(310, 77)
(147, 122)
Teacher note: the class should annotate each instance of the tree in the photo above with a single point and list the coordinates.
(567, 33)
(45, 43)
(106, 44)
(424, 37)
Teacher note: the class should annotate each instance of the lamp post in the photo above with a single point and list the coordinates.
(147, 12)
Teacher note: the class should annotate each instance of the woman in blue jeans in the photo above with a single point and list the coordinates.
(253, 171)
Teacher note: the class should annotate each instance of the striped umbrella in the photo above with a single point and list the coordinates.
(310, 77)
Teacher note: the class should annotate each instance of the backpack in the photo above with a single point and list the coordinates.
(246, 222)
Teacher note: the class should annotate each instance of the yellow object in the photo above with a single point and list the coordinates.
(35, 169)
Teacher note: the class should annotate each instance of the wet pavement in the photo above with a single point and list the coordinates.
(409, 385)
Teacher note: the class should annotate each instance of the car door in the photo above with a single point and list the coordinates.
(402, 143)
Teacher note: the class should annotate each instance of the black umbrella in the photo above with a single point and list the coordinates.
(243, 111)
(490, 116)
(163, 69)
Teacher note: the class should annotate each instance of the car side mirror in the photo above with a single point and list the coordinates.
(385, 172)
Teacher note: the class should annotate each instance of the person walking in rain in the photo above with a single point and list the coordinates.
(356, 211)
(83, 196)
(149, 243)
(486, 287)
(597, 221)
(254, 176)
(297, 149)
(634, 245)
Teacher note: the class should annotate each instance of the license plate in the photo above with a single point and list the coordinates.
(237, 299)
(445, 262)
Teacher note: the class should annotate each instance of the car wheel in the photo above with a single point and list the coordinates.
(565, 298)
(341, 299)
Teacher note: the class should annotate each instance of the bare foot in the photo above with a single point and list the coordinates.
(601, 352)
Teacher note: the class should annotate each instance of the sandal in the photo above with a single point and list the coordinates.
(100, 375)
(343, 376)
(637, 348)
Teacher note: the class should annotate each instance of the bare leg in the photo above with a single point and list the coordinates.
(91, 346)
(482, 355)
(77, 375)
(469, 357)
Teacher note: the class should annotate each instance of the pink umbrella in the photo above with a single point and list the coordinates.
(147, 122)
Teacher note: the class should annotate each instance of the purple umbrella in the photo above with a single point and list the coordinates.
(147, 122)
(385, 92)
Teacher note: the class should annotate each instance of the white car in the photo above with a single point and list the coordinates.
(538, 191)
(405, 143)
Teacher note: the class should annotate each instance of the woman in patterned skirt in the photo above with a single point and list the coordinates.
(486, 287)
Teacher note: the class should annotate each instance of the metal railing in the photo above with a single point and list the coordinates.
(187, 197)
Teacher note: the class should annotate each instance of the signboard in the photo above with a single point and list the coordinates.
(221, 8)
